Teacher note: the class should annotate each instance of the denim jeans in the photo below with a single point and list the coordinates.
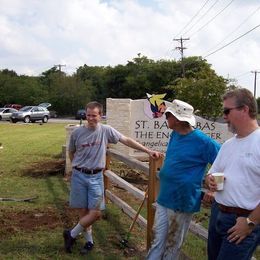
(219, 248)
(170, 229)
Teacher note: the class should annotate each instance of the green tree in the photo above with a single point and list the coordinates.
(201, 87)
(23, 90)
(68, 93)
(94, 76)
(115, 80)
(139, 76)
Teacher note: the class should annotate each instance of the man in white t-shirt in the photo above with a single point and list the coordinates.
(234, 230)
(87, 152)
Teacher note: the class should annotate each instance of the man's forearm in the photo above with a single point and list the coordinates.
(133, 144)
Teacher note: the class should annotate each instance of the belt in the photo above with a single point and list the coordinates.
(87, 171)
(238, 211)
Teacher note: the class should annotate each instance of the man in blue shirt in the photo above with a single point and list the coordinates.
(188, 153)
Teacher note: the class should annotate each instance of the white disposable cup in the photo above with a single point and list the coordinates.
(219, 179)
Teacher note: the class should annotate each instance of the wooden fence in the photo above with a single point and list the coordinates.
(150, 170)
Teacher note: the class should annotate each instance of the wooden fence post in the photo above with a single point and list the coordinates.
(153, 187)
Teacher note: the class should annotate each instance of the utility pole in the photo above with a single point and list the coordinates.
(181, 48)
(59, 66)
(255, 72)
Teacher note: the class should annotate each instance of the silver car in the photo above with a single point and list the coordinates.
(32, 114)
(6, 112)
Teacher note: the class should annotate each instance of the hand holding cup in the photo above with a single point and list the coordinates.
(215, 181)
(219, 180)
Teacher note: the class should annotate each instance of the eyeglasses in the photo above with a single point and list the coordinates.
(227, 110)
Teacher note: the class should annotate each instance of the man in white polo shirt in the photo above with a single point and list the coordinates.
(234, 230)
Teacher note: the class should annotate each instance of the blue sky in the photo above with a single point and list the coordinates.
(35, 34)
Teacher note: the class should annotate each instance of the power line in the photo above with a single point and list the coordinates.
(201, 17)
(231, 33)
(242, 74)
(194, 16)
(210, 20)
(232, 41)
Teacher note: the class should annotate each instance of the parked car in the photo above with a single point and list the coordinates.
(32, 114)
(6, 112)
(15, 106)
(81, 114)
(53, 114)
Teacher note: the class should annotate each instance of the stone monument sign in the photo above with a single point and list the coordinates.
(145, 123)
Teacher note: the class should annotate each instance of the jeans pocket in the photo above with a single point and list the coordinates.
(224, 222)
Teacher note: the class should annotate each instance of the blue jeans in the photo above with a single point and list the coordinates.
(170, 228)
(219, 248)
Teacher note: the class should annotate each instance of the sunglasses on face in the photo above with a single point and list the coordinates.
(227, 110)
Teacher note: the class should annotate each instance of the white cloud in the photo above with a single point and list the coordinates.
(35, 35)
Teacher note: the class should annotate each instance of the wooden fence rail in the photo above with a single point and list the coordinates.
(151, 171)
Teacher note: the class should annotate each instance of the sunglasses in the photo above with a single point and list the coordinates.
(227, 110)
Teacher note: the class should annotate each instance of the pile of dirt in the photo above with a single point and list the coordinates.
(12, 222)
(135, 177)
(45, 168)
(29, 220)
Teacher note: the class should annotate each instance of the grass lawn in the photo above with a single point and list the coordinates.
(31, 165)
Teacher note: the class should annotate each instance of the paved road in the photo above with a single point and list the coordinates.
(51, 120)
(64, 120)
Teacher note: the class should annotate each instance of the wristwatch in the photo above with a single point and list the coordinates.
(250, 223)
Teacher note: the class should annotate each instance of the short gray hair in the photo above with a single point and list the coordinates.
(243, 97)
